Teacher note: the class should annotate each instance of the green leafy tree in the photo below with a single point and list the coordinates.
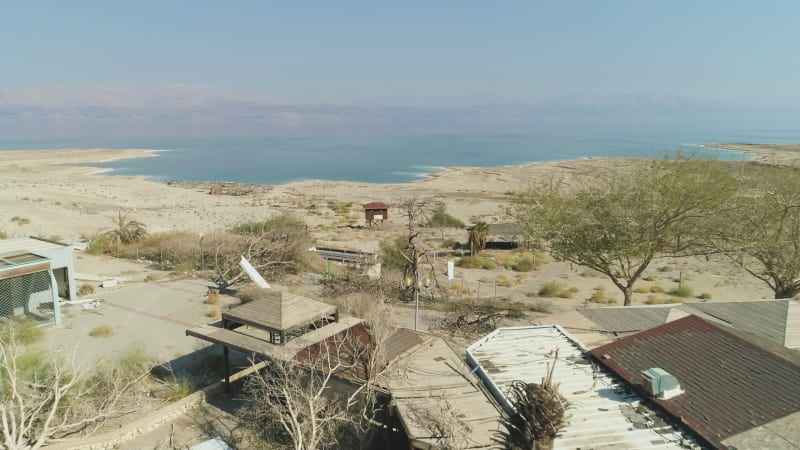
(478, 236)
(761, 230)
(617, 223)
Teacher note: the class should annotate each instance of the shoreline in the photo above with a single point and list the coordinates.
(83, 158)
(62, 195)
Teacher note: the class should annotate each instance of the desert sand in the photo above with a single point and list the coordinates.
(65, 199)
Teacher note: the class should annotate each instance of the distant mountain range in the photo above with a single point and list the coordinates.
(157, 109)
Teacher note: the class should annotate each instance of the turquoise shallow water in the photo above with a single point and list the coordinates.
(389, 157)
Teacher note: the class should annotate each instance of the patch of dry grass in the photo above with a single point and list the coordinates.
(214, 312)
(600, 296)
(103, 330)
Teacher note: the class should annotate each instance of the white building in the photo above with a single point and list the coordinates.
(34, 275)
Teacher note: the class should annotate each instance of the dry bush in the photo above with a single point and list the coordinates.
(279, 247)
(212, 298)
(656, 289)
(102, 331)
(600, 296)
(85, 289)
(549, 289)
(214, 312)
(657, 300)
(251, 293)
(502, 280)
(358, 304)
(642, 290)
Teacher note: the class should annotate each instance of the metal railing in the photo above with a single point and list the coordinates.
(28, 296)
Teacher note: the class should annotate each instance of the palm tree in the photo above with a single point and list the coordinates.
(478, 235)
(127, 231)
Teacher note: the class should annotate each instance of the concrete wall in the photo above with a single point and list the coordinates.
(61, 258)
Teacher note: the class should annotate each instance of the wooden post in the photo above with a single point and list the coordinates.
(227, 371)
(283, 337)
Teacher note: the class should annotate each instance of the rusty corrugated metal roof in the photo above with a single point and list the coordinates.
(376, 205)
(730, 384)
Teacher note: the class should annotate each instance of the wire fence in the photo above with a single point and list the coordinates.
(28, 296)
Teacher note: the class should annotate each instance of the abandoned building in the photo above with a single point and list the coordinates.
(375, 213)
(34, 275)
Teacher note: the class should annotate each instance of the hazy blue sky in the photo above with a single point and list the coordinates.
(289, 64)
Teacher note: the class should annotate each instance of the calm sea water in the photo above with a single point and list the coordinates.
(390, 157)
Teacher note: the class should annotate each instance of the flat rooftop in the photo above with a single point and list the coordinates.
(439, 402)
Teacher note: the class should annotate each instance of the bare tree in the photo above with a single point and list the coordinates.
(45, 400)
(324, 397)
(277, 246)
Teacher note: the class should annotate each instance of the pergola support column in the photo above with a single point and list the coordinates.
(227, 371)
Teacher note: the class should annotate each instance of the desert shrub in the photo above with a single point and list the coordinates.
(522, 262)
(85, 289)
(171, 248)
(100, 244)
(649, 278)
(600, 296)
(542, 306)
(440, 218)
(657, 300)
(178, 388)
(504, 281)
(682, 291)
(3, 234)
(214, 312)
(656, 289)
(152, 277)
(705, 296)
(183, 267)
(25, 331)
(488, 263)
(102, 331)
(567, 292)
(476, 262)
(340, 207)
(549, 289)
(664, 269)
(21, 220)
(642, 290)
(258, 228)
(212, 298)
(449, 243)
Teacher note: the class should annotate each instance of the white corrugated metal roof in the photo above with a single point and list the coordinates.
(28, 245)
(602, 411)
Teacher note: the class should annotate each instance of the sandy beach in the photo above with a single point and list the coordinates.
(62, 197)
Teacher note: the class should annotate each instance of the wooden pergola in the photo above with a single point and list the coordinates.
(275, 325)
